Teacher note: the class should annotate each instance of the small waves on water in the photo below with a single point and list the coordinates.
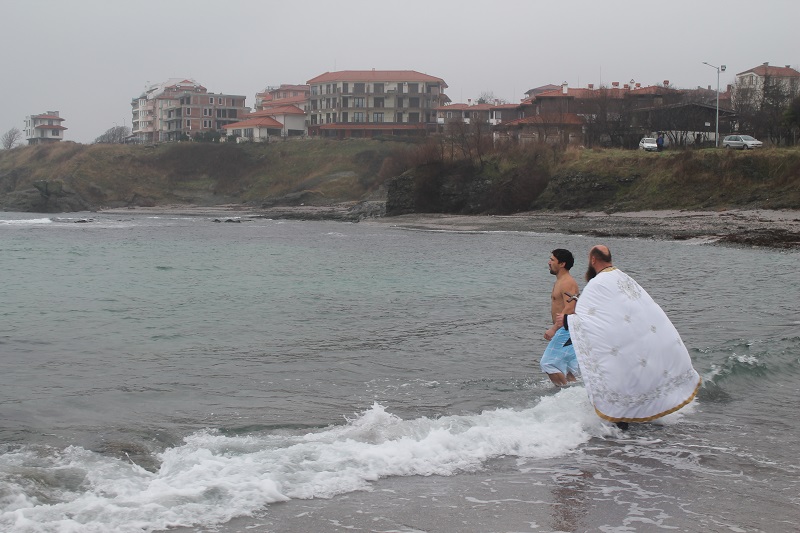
(211, 478)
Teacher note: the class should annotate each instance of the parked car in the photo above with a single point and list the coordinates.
(649, 144)
(742, 142)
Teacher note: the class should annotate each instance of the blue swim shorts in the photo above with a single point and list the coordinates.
(560, 358)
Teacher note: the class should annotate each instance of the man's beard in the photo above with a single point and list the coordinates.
(590, 273)
(553, 272)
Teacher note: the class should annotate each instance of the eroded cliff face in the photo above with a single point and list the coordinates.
(463, 189)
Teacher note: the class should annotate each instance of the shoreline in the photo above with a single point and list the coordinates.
(748, 227)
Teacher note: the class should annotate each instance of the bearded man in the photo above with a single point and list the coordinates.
(633, 362)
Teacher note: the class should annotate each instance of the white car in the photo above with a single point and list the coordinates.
(742, 142)
(649, 144)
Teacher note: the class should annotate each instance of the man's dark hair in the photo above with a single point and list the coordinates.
(595, 252)
(564, 256)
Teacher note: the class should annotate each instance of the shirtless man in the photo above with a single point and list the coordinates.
(559, 361)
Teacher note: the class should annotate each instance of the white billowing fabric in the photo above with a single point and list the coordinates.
(635, 366)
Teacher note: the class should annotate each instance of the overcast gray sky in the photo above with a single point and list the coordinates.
(89, 58)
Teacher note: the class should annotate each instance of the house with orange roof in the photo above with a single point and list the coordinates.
(274, 122)
(589, 115)
(470, 114)
(44, 128)
(285, 94)
(766, 74)
(181, 109)
(370, 103)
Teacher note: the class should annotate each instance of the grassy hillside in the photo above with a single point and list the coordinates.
(68, 176)
(202, 173)
(692, 179)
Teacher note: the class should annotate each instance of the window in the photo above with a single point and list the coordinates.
(399, 101)
(55, 133)
(188, 111)
(189, 124)
(359, 101)
(377, 117)
(413, 102)
(413, 88)
(378, 102)
(345, 88)
(358, 116)
(206, 112)
(248, 132)
(206, 123)
(211, 100)
(377, 88)
(345, 101)
(359, 88)
(413, 118)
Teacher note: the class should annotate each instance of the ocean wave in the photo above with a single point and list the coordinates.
(26, 221)
(212, 478)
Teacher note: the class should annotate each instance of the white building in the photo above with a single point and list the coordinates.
(178, 109)
(44, 128)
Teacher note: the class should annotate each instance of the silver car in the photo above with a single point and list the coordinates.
(649, 144)
(742, 142)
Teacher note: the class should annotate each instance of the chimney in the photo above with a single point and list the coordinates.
(788, 66)
(615, 84)
(666, 83)
(564, 88)
(709, 87)
(766, 63)
(591, 86)
(626, 86)
(638, 85)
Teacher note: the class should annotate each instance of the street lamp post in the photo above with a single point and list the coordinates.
(716, 131)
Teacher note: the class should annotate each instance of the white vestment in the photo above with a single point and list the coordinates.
(635, 366)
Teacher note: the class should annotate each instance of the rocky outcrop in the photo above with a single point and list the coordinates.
(46, 196)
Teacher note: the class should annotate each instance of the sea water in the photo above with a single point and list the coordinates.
(180, 372)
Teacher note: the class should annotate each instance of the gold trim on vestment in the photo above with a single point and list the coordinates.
(651, 418)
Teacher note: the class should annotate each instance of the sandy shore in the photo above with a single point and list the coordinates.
(777, 229)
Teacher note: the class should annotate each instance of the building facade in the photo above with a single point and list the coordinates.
(273, 123)
(368, 103)
(284, 94)
(44, 128)
(182, 109)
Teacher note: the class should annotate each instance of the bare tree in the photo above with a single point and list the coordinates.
(11, 138)
(488, 97)
(115, 135)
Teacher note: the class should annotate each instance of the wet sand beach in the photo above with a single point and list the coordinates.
(768, 228)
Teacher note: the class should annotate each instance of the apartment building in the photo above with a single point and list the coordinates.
(44, 128)
(368, 103)
(181, 109)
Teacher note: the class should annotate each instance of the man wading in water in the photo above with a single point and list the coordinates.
(559, 361)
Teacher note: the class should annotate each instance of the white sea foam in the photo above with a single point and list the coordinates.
(212, 478)
(26, 221)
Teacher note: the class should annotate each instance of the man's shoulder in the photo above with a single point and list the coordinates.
(566, 282)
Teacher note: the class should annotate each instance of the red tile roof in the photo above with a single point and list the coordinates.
(256, 122)
(375, 76)
(777, 72)
(551, 118)
(46, 116)
(50, 127)
(277, 110)
(284, 101)
(607, 92)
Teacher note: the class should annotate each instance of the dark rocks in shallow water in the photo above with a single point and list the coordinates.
(229, 220)
(776, 238)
